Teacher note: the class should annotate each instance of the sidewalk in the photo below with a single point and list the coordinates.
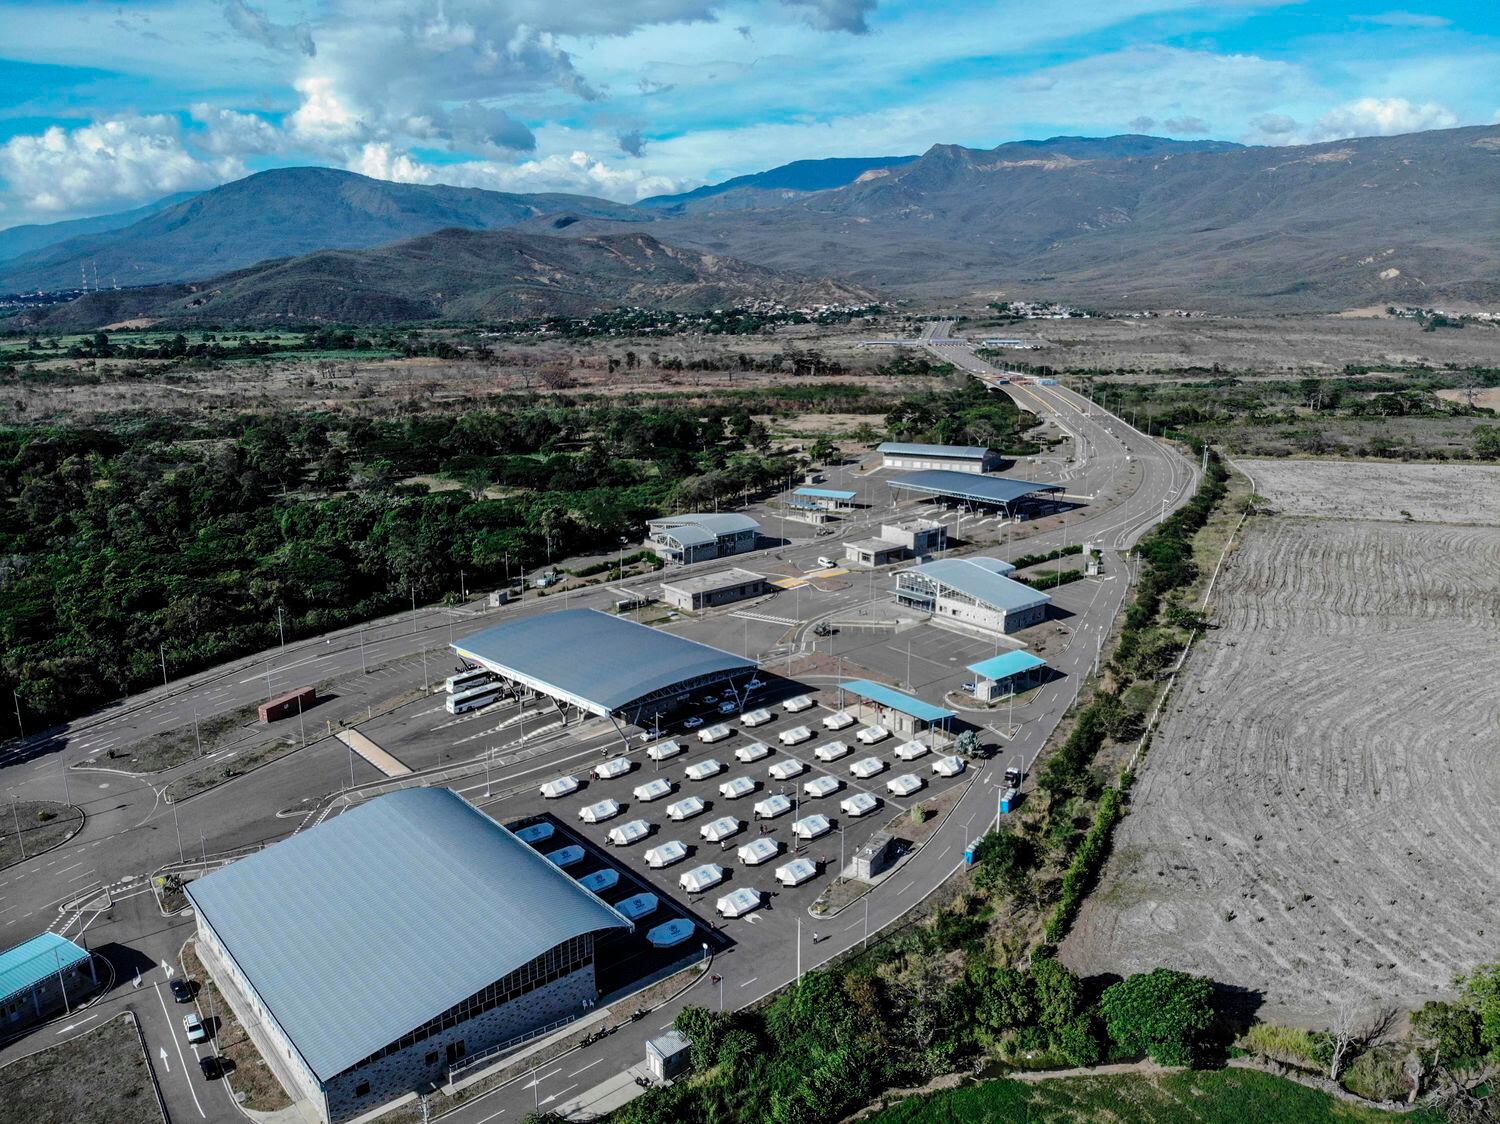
(604, 1097)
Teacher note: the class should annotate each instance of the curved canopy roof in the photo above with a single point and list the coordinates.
(594, 660)
(969, 486)
(359, 930)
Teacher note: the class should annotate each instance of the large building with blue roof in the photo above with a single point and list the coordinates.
(972, 594)
(42, 977)
(372, 953)
(701, 536)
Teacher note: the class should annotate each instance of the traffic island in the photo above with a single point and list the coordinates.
(101, 1077)
(29, 828)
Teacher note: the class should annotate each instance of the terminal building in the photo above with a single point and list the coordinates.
(996, 493)
(822, 499)
(369, 955)
(972, 594)
(952, 458)
(598, 663)
(910, 538)
(42, 977)
(705, 591)
(680, 540)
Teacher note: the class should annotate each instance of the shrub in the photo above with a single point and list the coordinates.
(1088, 860)
(1376, 1075)
(1289, 1045)
(1163, 1013)
(1452, 1029)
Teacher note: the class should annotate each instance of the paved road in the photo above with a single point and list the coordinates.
(132, 831)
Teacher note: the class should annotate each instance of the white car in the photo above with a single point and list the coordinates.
(685, 809)
(910, 751)
(615, 767)
(758, 851)
(598, 813)
(949, 766)
(795, 736)
(872, 734)
(740, 902)
(672, 851)
(757, 717)
(692, 723)
(832, 751)
(728, 707)
(715, 733)
(773, 806)
(701, 878)
(712, 767)
(736, 788)
(861, 803)
(796, 872)
(720, 829)
(786, 770)
(811, 827)
(628, 833)
(825, 562)
(663, 750)
(562, 786)
(752, 752)
(839, 720)
(905, 784)
(653, 790)
(796, 704)
(867, 767)
(821, 786)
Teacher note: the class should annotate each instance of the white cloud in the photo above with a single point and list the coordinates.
(1407, 20)
(1382, 117)
(576, 172)
(117, 161)
(836, 15)
(227, 132)
(254, 24)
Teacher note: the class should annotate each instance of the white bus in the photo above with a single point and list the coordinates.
(473, 698)
(457, 684)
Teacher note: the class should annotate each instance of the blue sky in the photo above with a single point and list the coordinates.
(104, 106)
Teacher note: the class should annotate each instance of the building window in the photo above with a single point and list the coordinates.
(362, 1089)
(455, 1051)
(432, 1057)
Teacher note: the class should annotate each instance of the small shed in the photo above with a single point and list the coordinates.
(668, 1055)
(871, 860)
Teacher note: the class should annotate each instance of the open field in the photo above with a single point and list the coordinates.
(1318, 815)
(96, 1078)
(1427, 493)
(1230, 1096)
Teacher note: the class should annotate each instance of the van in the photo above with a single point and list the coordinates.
(825, 562)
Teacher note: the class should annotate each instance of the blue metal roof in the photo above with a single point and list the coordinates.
(958, 452)
(824, 493)
(889, 696)
(714, 522)
(1007, 664)
(358, 930)
(969, 486)
(32, 961)
(982, 580)
(592, 659)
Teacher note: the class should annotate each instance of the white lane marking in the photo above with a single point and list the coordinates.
(750, 981)
(186, 1075)
(591, 1064)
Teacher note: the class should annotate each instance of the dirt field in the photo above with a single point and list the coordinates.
(96, 1078)
(1374, 490)
(1319, 813)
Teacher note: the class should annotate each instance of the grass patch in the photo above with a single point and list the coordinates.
(212, 777)
(97, 1078)
(171, 748)
(43, 824)
(1230, 1096)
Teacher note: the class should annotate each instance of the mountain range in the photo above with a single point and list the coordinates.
(1126, 221)
(455, 275)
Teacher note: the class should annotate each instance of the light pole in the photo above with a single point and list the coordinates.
(865, 945)
(20, 729)
(363, 668)
(177, 827)
(196, 736)
(280, 627)
(16, 815)
(162, 648)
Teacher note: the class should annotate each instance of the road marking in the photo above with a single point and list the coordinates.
(543, 1077)
(907, 887)
(596, 1061)
(750, 981)
(492, 1116)
(75, 1026)
(186, 1076)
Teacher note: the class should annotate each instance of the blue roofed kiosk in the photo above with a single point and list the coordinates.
(369, 955)
(42, 977)
(1007, 674)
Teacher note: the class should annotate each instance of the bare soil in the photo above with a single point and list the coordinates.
(42, 824)
(97, 1078)
(1379, 490)
(1319, 813)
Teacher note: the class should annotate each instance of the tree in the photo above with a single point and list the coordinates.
(1006, 860)
(1449, 1029)
(1163, 1013)
(1481, 990)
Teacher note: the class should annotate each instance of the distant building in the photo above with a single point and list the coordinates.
(954, 458)
(871, 553)
(822, 499)
(972, 593)
(683, 539)
(42, 977)
(369, 955)
(705, 591)
(910, 538)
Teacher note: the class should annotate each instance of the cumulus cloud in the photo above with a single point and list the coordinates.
(1382, 117)
(836, 15)
(632, 143)
(1186, 126)
(478, 128)
(254, 24)
(576, 172)
(1406, 20)
(227, 132)
(115, 161)
(1142, 124)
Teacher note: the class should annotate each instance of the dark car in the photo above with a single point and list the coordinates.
(212, 1068)
(182, 990)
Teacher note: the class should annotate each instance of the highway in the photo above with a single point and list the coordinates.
(132, 831)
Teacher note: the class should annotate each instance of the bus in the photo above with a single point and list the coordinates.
(474, 698)
(466, 679)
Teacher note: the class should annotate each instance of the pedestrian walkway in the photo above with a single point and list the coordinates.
(604, 1098)
(362, 745)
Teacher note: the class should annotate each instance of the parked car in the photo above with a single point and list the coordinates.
(727, 707)
(182, 990)
(192, 1022)
(692, 722)
(211, 1066)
